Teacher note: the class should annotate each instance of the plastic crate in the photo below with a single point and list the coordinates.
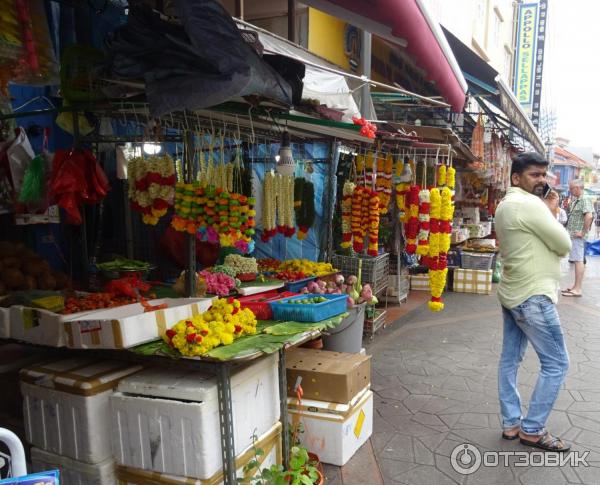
(374, 270)
(476, 260)
(259, 304)
(296, 286)
(314, 312)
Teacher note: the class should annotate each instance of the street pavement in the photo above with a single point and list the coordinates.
(434, 379)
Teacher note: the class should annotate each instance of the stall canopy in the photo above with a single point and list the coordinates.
(406, 23)
(485, 82)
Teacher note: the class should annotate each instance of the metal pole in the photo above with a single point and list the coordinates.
(239, 9)
(226, 423)
(188, 174)
(292, 20)
(83, 227)
(365, 90)
(283, 410)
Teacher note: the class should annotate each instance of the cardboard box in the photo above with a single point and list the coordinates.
(327, 376)
(166, 420)
(66, 406)
(270, 443)
(73, 471)
(419, 282)
(128, 325)
(473, 281)
(334, 431)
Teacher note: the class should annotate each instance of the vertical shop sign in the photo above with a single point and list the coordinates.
(526, 54)
(539, 63)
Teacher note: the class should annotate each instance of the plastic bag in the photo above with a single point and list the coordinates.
(34, 181)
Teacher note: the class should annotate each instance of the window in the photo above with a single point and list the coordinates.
(497, 32)
(508, 61)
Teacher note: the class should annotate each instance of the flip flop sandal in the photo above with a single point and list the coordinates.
(569, 293)
(547, 442)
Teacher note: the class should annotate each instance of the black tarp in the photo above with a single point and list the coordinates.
(197, 62)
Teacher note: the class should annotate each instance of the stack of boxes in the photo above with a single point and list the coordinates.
(66, 413)
(165, 423)
(335, 413)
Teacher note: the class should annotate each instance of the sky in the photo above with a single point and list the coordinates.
(571, 82)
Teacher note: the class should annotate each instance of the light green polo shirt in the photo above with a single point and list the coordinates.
(531, 242)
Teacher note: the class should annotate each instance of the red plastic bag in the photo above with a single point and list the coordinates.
(76, 179)
(173, 243)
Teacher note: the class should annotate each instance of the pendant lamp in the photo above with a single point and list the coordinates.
(286, 164)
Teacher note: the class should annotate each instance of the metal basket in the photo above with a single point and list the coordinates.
(374, 270)
(481, 261)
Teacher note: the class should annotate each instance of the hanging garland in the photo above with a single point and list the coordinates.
(384, 182)
(412, 226)
(151, 186)
(304, 205)
(370, 169)
(451, 178)
(442, 175)
(435, 276)
(423, 237)
(347, 193)
(373, 205)
(216, 215)
(285, 205)
(268, 207)
(358, 233)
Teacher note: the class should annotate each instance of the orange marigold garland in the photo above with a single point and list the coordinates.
(412, 226)
(358, 233)
(373, 222)
(435, 274)
(384, 182)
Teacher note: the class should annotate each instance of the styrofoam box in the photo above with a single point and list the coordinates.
(4, 323)
(36, 326)
(270, 443)
(66, 406)
(167, 420)
(73, 472)
(128, 325)
(334, 431)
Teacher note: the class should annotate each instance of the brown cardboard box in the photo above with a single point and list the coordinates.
(327, 376)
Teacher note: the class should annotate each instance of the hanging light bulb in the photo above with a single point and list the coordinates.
(285, 163)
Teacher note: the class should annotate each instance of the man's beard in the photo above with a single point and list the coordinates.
(538, 190)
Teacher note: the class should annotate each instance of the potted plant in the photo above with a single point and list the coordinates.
(300, 472)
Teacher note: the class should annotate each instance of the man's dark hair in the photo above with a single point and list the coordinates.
(524, 160)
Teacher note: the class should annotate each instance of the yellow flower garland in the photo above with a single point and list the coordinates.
(224, 322)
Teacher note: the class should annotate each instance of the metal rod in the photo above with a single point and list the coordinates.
(292, 20)
(239, 9)
(283, 413)
(365, 90)
(189, 176)
(226, 423)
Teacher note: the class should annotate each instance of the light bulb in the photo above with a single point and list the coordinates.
(152, 148)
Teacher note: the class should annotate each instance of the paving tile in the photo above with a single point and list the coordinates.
(397, 392)
(423, 474)
(400, 447)
(391, 469)
(543, 476)
(422, 454)
(472, 420)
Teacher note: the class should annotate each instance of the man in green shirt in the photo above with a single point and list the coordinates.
(531, 242)
(579, 223)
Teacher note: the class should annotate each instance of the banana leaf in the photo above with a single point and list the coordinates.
(292, 328)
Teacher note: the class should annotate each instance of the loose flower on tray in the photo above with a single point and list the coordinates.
(223, 323)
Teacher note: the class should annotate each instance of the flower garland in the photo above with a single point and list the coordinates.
(360, 169)
(442, 175)
(412, 226)
(151, 186)
(435, 275)
(447, 213)
(285, 205)
(305, 209)
(223, 323)
(423, 237)
(370, 169)
(357, 217)
(402, 191)
(347, 193)
(374, 206)
(384, 182)
(217, 215)
(269, 207)
(451, 178)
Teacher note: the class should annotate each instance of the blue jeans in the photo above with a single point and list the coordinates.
(535, 321)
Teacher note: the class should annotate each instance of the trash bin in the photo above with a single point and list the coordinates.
(347, 336)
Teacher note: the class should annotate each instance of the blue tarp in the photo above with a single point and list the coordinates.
(592, 248)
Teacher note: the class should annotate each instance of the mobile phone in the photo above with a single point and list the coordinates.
(546, 191)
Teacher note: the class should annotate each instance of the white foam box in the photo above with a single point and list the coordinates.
(477, 281)
(4, 323)
(73, 472)
(128, 325)
(66, 407)
(331, 430)
(167, 420)
(269, 443)
(36, 326)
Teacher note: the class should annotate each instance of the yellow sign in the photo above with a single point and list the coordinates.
(526, 52)
(359, 423)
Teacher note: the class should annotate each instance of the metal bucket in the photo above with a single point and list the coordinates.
(347, 336)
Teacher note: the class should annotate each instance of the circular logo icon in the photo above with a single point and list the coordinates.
(465, 459)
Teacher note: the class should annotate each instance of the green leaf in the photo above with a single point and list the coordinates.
(259, 452)
(306, 480)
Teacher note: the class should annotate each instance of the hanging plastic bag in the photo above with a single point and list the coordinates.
(34, 180)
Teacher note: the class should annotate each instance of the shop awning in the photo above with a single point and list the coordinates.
(484, 81)
(406, 23)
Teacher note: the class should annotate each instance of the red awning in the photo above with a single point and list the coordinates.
(407, 23)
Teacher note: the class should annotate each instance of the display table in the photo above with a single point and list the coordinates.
(273, 336)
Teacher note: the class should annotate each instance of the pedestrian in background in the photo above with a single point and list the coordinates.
(579, 223)
(552, 200)
(532, 242)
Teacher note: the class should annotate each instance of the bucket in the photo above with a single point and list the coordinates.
(347, 336)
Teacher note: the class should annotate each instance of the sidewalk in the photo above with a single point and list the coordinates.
(434, 378)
